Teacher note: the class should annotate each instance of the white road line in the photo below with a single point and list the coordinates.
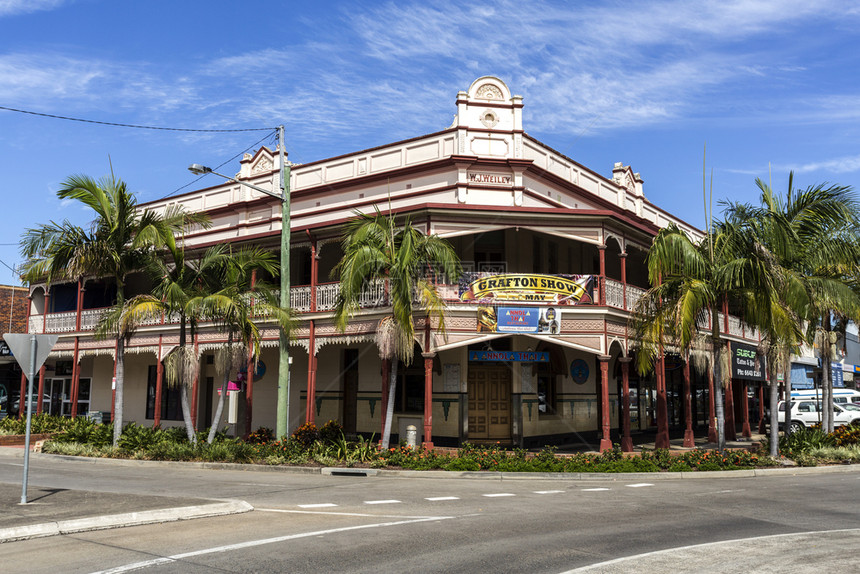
(322, 513)
(548, 491)
(498, 495)
(593, 489)
(600, 566)
(321, 505)
(382, 502)
(253, 543)
(639, 485)
(438, 498)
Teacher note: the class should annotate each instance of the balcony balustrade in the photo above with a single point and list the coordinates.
(618, 296)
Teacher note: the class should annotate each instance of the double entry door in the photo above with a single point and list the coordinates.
(57, 399)
(489, 389)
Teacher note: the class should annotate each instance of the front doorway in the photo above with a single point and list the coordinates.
(489, 389)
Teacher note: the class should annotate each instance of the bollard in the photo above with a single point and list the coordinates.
(411, 436)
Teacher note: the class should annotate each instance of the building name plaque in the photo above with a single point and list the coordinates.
(491, 178)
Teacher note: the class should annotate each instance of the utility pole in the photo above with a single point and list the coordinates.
(283, 413)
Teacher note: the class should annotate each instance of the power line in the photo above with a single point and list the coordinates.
(130, 125)
(219, 166)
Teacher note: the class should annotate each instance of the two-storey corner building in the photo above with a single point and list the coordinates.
(536, 350)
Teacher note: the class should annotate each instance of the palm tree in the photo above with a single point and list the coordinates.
(237, 308)
(376, 249)
(179, 281)
(688, 288)
(803, 257)
(120, 240)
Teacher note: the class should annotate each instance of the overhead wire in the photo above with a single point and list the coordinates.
(135, 126)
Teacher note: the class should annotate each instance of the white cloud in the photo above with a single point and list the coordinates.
(848, 164)
(14, 7)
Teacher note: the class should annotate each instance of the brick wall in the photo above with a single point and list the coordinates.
(13, 304)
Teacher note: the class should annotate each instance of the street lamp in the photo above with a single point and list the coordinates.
(283, 413)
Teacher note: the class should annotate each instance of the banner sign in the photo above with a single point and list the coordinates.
(546, 320)
(747, 363)
(556, 289)
(517, 356)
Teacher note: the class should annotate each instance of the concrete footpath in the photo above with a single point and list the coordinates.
(52, 511)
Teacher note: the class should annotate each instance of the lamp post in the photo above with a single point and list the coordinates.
(283, 413)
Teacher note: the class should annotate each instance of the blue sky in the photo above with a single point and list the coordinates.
(647, 83)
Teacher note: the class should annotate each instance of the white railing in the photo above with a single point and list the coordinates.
(633, 296)
(374, 295)
(61, 322)
(90, 318)
(37, 322)
(327, 296)
(735, 327)
(614, 293)
(300, 298)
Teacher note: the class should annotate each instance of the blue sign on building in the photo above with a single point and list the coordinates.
(518, 356)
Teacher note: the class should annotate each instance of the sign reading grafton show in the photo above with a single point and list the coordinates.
(555, 289)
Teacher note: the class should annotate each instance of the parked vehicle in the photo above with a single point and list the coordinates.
(840, 396)
(805, 414)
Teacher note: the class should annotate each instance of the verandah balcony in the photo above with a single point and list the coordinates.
(617, 295)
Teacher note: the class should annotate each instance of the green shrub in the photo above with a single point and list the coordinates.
(137, 438)
(306, 435)
(804, 440)
(262, 435)
(330, 431)
(461, 464)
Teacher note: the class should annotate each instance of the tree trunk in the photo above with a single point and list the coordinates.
(216, 419)
(786, 429)
(183, 387)
(120, 375)
(389, 411)
(774, 415)
(719, 404)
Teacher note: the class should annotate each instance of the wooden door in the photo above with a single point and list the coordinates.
(489, 403)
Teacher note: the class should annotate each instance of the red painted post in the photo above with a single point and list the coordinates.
(623, 257)
(745, 431)
(626, 439)
(605, 440)
(731, 432)
(601, 250)
(312, 391)
(761, 425)
(428, 399)
(76, 373)
(688, 407)
(39, 405)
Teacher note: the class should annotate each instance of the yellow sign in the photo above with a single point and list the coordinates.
(558, 289)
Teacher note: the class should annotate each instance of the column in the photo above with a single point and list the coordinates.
(601, 251)
(41, 388)
(745, 431)
(76, 375)
(688, 406)
(605, 441)
(626, 440)
(428, 399)
(312, 373)
(761, 422)
(113, 384)
(623, 258)
(314, 275)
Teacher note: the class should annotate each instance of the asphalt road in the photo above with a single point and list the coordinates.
(310, 523)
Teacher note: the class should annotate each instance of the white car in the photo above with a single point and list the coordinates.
(805, 414)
